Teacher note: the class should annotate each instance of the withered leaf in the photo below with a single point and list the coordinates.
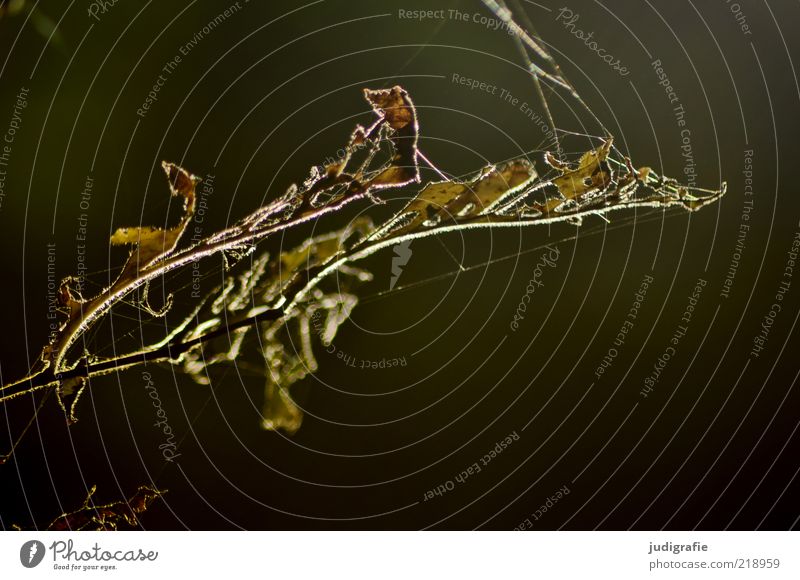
(280, 296)
(150, 243)
(285, 347)
(289, 354)
(68, 393)
(394, 107)
(356, 174)
(351, 175)
(107, 517)
(592, 172)
(323, 248)
(279, 411)
(445, 203)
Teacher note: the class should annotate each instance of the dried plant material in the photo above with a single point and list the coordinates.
(356, 174)
(320, 250)
(285, 346)
(150, 243)
(289, 354)
(452, 202)
(281, 298)
(107, 517)
(514, 194)
(156, 252)
(68, 393)
(592, 174)
(280, 412)
(275, 311)
(394, 107)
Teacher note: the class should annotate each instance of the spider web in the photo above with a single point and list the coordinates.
(565, 145)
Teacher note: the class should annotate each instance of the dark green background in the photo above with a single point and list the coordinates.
(270, 93)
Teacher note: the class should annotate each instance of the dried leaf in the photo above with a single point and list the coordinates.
(353, 174)
(149, 246)
(394, 106)
(451, 202)
(68, 393)
(285, 348)
(279, 296)
(151, 243)
(280, 411)
(320, 250)
(155, 251)
(107, 517)
(592, 173)
(289, 354)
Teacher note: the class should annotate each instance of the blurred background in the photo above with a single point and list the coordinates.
(262, 91)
